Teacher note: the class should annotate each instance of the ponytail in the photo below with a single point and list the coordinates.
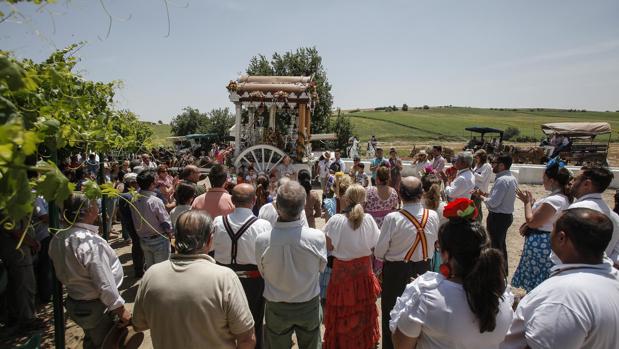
(355, 216)
(355, 194)
(431, 185)
(432, 197)
(484, 286)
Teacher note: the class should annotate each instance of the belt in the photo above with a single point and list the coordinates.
(150, 237)
(248, 274)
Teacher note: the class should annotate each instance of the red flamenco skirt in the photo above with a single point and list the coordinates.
(351, 316)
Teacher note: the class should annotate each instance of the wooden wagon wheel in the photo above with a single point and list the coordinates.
(265, 157)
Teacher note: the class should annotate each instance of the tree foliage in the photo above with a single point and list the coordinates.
(343, 129)
(190, 121)
(45, 108)
(304, 61)
(220, 121)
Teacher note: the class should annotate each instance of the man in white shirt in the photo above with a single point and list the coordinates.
(338, 160)
(268, 212)
(483, 173)
(90, 270)
(587, 188)
(578, 306)
(406, 244)
(323, 169)
(438, 161)
(234, 243)
(464, 183)
(147, 163)
(290, 258)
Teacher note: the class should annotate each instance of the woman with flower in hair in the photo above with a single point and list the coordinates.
(540, 215)
(468, 304)
(351, 315)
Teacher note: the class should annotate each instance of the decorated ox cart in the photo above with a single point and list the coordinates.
(273, 120)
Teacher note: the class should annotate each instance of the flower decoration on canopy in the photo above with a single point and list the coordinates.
(232, 86)
(280, 95)
(256, 94)
(461, 208)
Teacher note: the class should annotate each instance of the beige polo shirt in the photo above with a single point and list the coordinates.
(191, 302)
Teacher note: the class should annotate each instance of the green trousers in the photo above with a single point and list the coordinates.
(282, 319)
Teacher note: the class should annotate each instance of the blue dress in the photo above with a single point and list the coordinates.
(535, 264)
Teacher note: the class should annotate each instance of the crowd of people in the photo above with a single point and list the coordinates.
(240, 263)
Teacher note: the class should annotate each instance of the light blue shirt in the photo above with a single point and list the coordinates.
(290, 258)
(503, 193)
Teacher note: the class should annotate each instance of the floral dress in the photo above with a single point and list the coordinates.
(379, 208)
(534, 266)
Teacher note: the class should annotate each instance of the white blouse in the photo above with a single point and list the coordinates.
(349, 244)
(557, 201)
(435, 310)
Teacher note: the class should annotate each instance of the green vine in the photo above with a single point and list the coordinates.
(45, 108)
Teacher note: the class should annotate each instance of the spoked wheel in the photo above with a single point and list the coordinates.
(265, 157)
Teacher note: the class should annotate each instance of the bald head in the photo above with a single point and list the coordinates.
(243, 195)
(411, 190)
(190, 173)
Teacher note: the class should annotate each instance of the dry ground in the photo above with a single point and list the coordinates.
(74, 334)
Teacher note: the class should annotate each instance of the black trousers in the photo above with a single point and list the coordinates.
(253, 288)
(396, 275)
(497, 225)
(137, 255)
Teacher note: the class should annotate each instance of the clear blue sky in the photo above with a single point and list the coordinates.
(553, 53)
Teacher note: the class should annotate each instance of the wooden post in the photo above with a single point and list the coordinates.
(308, 124)
(54, 225)
(301, 123)
(272, 116)
(237, 129)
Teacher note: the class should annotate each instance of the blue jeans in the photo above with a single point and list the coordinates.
(155, 250)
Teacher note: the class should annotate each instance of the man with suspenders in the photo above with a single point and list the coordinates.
(234, 240)
(406, 244)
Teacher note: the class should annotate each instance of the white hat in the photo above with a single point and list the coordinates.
(130, 177)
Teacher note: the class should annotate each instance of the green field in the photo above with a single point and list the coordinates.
(160, 132)
(445, 124)
(448, 123)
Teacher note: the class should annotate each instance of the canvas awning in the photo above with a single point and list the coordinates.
(577, 129)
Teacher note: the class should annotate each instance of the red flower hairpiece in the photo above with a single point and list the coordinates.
(461, 208)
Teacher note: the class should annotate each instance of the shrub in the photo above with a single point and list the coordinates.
(404, 107)
(510, 133)
(354, 111)
(426, 106)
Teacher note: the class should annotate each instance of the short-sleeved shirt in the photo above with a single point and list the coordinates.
(435, 310)
(216, 202)
(578, 307)
(246, 244)
(558, 202)
(378, 162)
(191, 302)
(398, 234)
(349, 243)
(595, 202)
